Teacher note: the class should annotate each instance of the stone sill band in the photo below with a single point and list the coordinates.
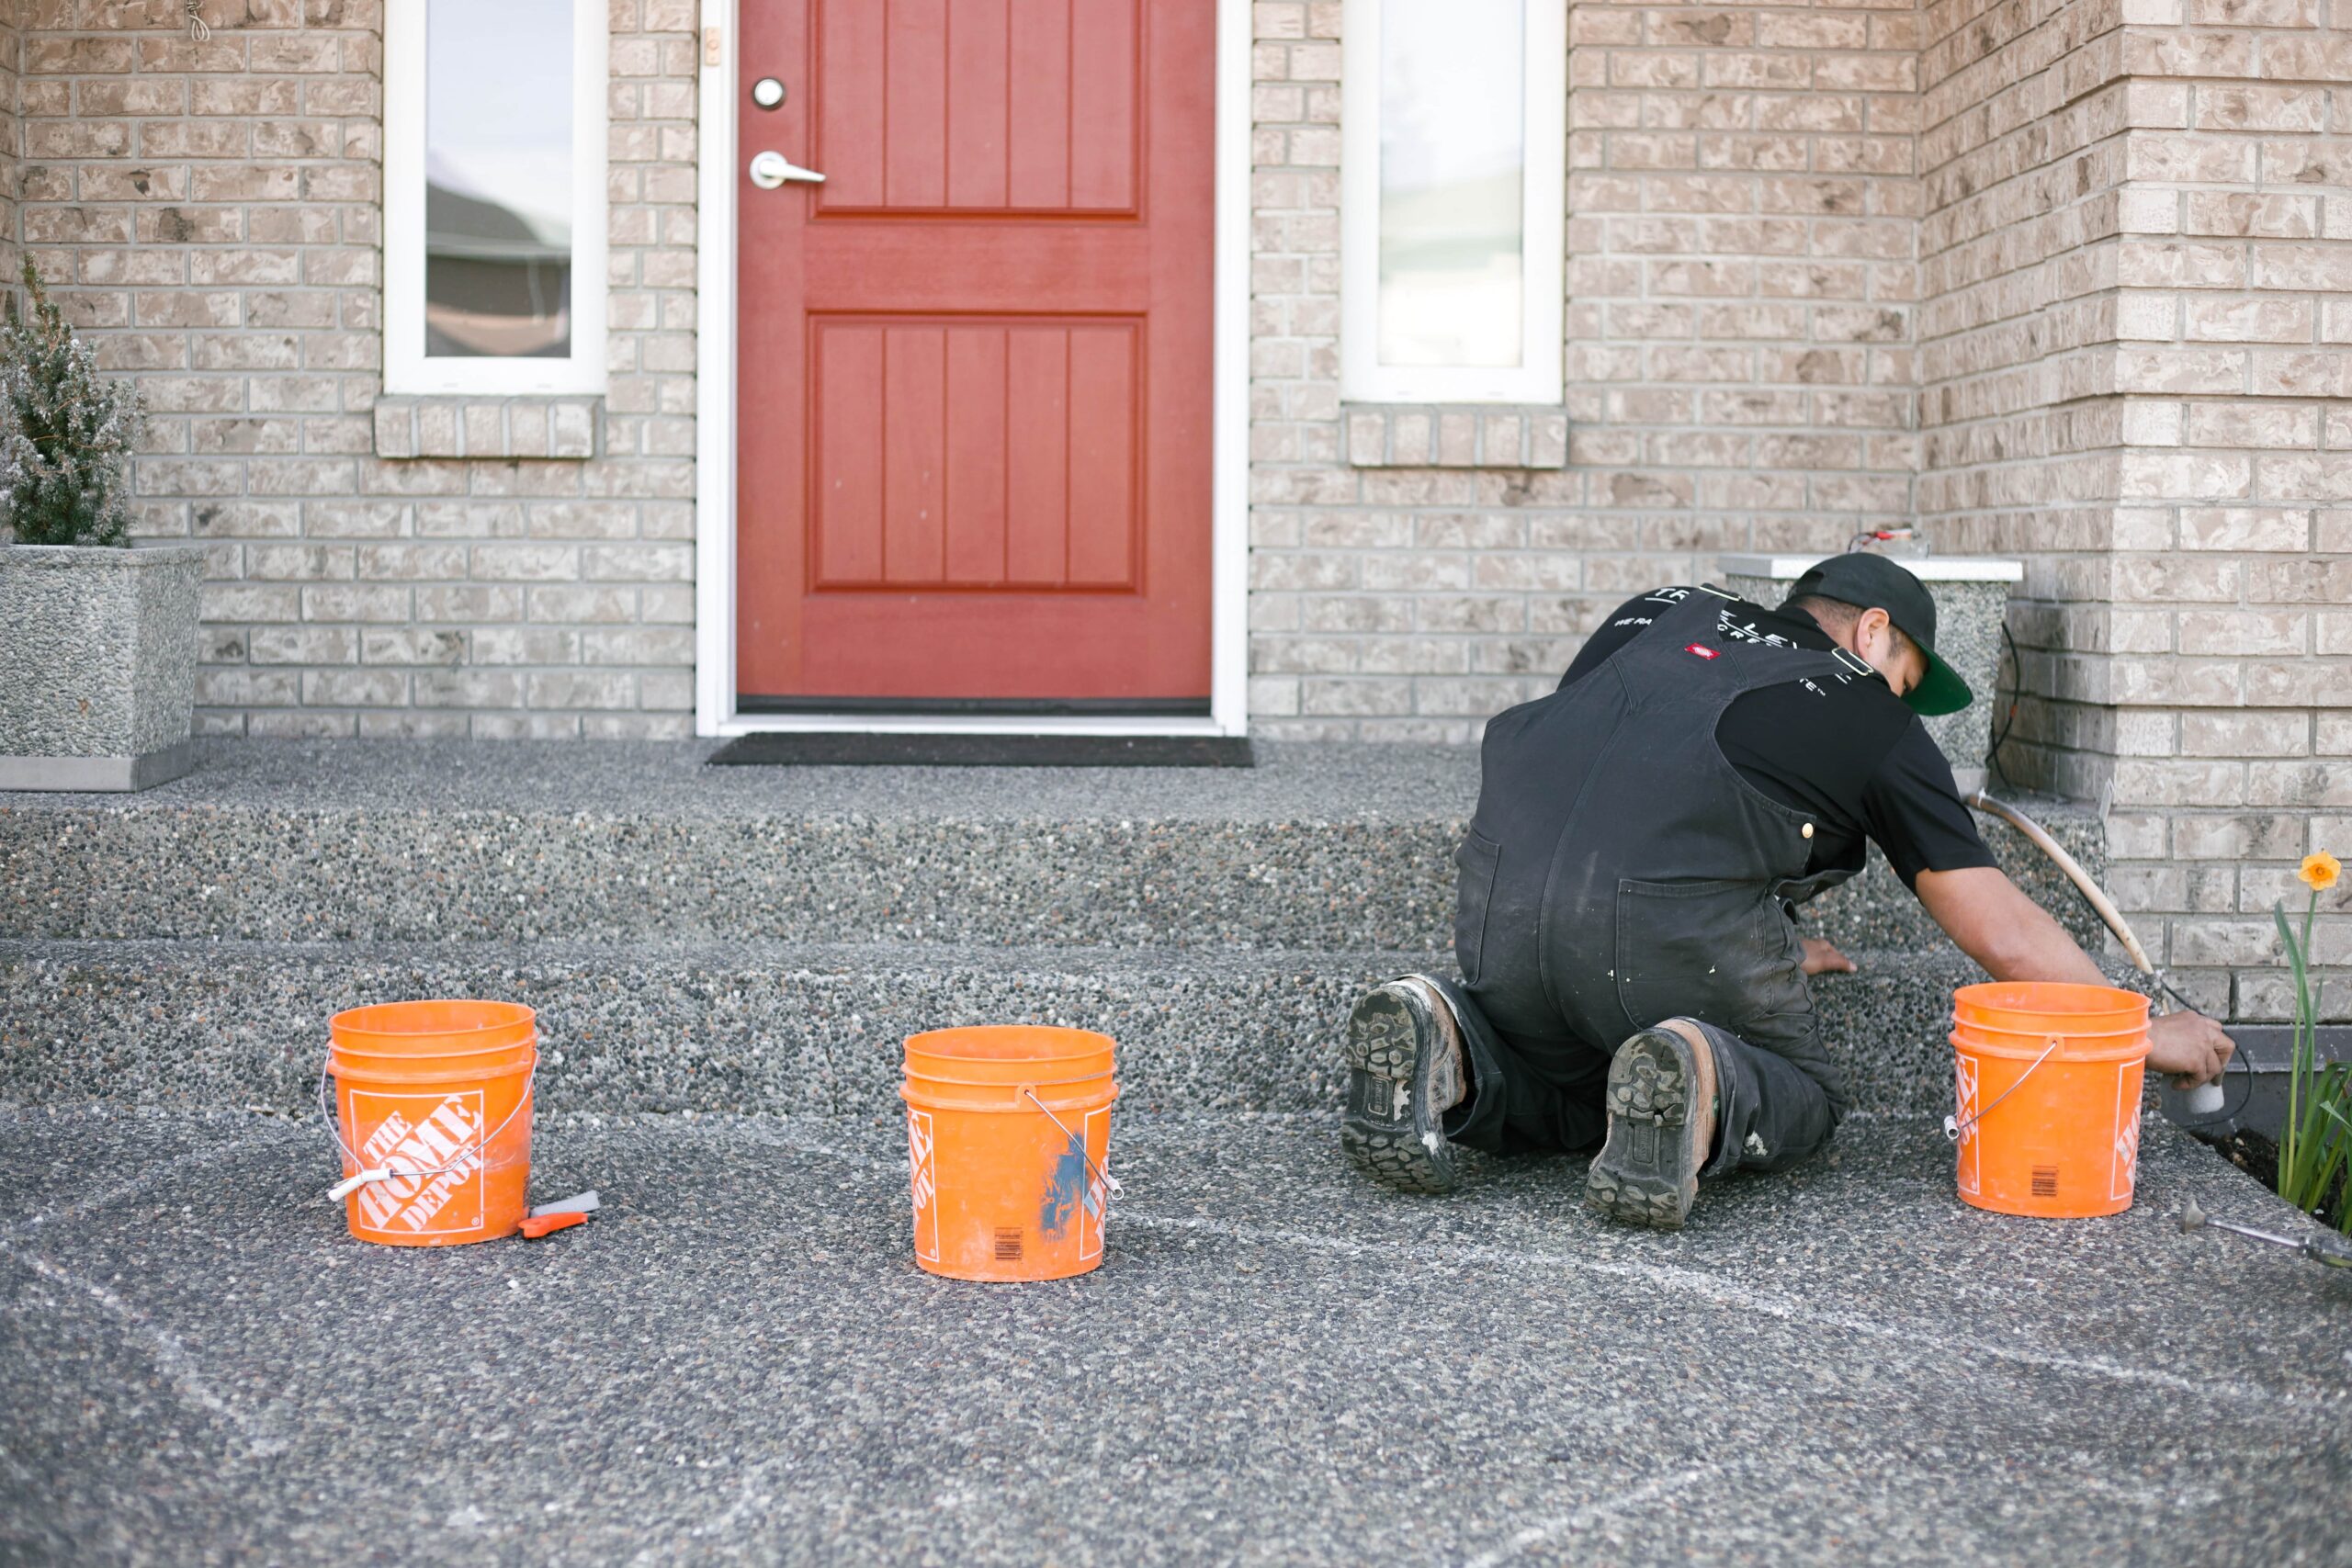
(102, 775)
(541, 429)
(1455, 435)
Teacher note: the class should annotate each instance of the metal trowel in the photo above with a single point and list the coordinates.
(562, 1215)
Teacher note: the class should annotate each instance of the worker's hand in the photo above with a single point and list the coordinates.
(1821, 958)
(2189, 1046)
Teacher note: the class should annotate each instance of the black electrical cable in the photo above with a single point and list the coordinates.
(1992, 763)
(2228, 1111)
(2168, 987)
(2008, 720)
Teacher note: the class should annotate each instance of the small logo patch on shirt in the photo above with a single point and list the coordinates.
(1701, 650)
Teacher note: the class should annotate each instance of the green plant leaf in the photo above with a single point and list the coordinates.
(2291, 1145)
(66, 432)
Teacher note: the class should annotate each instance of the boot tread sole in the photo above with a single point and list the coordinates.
(1647, 1174)
(1383, 1043)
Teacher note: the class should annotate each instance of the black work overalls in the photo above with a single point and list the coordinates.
(1619, 872)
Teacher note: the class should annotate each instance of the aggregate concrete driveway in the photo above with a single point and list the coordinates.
(737, 1361)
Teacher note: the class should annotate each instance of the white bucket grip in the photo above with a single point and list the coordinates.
(1954, 1126)
(366, 1173)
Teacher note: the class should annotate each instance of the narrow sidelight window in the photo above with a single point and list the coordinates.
(494, 202)
(1452, 200)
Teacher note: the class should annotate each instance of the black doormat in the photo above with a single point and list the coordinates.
(776, 749)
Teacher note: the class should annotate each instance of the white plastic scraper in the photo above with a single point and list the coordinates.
(560, 1214)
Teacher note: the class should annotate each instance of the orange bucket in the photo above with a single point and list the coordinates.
(1009, 1131)
(2049, 1087)
(432, 1113)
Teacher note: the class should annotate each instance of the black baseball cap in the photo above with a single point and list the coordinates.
(1876, 582)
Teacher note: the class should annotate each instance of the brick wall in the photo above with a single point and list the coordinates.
(209, 214)
(2138, 240)
(1740, 297)
(2022, 156)
(2068, 279)
(11, 144)
(2232, 673)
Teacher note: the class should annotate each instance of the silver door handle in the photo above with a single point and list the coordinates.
(770, 170)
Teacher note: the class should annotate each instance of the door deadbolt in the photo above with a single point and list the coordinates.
(767, 92)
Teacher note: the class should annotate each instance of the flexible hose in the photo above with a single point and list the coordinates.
(2099, 901)
(2205, 1099)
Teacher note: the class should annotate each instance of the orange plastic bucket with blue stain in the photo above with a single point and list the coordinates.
(2048, 1080)
(1009, 1144)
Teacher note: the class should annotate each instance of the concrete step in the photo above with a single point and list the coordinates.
(776, 1028)
(1318, 849)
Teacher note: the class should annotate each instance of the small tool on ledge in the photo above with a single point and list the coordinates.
(2333, 1253)
(562, 1214)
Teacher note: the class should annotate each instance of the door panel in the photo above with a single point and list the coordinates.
(932, 433)
(918, 109)
(974, 427)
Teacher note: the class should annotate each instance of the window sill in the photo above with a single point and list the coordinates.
(1455, 435)
(545, 428)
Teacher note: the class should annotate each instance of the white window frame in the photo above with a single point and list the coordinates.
(1544, 226)
(407, 369)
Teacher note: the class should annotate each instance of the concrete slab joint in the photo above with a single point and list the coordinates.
(558, 429)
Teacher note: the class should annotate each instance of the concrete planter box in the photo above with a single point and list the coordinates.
(98, 684)
(1972, 594)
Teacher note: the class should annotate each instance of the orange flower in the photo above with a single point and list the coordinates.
(2320, 871)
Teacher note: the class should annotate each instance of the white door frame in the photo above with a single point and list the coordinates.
(715, 712)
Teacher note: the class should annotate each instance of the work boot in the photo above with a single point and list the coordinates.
(1661, 1127)
(1405, 1073)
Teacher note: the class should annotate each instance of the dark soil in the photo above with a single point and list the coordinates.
(2258, 1157)
(2250, 1152)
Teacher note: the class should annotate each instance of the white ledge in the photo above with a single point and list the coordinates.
(1927, 569)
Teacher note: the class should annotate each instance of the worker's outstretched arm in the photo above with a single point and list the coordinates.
(2015, 939)
(1994, 923)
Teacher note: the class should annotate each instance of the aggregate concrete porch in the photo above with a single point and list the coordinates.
(737, 1361)
(1318, 846)
(760, 939)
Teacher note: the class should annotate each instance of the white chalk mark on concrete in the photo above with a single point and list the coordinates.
(748, 1494)
(260, 1438)
(1592, 1514)
(147, 1177)
(1725, 1293)
(747, 1497)
(785, 1137)
(1690, 1282)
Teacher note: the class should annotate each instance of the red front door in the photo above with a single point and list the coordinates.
(973, 437)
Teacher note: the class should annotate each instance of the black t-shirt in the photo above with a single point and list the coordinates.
(1859, 769)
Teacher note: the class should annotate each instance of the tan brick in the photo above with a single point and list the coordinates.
(2244, 631)
(2252, 423)
(2258, 108)
(2244, 735)
(2245, 528)
(2253, 320)
(2276, 215)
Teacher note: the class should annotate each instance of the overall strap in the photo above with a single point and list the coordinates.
(1696, 653)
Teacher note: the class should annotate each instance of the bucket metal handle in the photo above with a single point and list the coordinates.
(1110, 1182)
(386, 1171)
(1954, 1126)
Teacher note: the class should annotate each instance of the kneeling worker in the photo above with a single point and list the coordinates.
(1631, 970)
